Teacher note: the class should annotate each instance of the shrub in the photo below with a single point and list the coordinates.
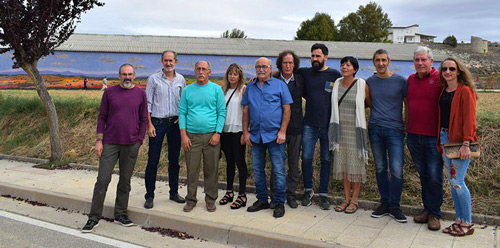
(450, 41)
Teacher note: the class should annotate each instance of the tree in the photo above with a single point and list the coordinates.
(450, 40)
(235, 33)
(320, 27)
(33, 29)
(368, 24)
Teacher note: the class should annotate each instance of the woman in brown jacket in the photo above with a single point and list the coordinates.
(457, 123)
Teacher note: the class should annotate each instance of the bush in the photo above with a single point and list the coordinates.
(450, 40)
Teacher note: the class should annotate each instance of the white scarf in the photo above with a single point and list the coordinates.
(361, 132)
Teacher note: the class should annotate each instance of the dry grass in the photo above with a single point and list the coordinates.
(23, 132)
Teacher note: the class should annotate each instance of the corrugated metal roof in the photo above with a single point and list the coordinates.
(228, 47)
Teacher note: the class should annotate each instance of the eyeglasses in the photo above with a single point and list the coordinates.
(443, 69)
(259, 67)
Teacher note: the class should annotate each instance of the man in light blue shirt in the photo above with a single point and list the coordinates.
(163, 91)
(202, 112)
(266, 114)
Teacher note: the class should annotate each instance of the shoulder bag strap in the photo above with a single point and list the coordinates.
(231, 96)
(348, 89)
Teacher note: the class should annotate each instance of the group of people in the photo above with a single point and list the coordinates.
(266, 114)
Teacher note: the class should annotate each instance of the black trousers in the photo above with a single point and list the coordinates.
(235, 154)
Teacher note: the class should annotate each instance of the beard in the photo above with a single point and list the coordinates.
(127, 85)
(316, 65)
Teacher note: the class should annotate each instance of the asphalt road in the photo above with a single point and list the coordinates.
(20, 231)
(27, 225)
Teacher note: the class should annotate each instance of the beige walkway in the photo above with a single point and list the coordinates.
(299, 226)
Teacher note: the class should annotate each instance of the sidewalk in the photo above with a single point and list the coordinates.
(300, 227)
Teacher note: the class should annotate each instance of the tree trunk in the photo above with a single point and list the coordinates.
(55, 141)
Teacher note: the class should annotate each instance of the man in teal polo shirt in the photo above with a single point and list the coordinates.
(202, 112)
(266, 114)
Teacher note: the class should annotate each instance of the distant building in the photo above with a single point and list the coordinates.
(478, 44)
(410, 34)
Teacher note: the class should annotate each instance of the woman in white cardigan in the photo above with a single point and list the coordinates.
(347, 132)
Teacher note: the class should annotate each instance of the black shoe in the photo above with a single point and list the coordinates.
(272, 205)
(279, 211)
(149, 203)
(292, 202)
(381, 211)
(257, 206)
(89, 227)
(124, 221)
(177, 198)
(307, 198)
(397, 215)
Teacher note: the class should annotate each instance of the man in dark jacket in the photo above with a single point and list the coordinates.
(288, 62)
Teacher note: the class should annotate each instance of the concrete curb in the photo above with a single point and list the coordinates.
(406, 209)
(217, 232)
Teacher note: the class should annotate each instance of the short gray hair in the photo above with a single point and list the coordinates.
(422, 49)
(208, 63)
(120, 70)
(268, 60)
(169, 51)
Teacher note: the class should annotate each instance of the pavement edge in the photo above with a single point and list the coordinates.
(216, 232)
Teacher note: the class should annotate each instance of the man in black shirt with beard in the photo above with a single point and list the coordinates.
(318, 83)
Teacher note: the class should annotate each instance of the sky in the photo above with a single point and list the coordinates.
(280, 19)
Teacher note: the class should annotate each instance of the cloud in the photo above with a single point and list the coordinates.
(280, 19)
(58, 63)
(107, 60)
(133, 59)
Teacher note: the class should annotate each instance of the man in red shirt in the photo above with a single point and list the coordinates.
(422, 121)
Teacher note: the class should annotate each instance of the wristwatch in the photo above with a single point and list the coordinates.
(98, 139)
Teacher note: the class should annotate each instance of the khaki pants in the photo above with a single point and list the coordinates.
(200, 147)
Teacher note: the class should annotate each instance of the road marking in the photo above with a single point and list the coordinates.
(67, 230)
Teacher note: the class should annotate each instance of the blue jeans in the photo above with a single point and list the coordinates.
(163, 127)
(388, 142)
(277, 157)
(309, 139)
(429, 164)
(456, 169)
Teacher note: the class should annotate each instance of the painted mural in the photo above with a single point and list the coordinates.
(69, 69)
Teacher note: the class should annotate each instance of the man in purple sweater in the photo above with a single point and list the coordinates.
(121, 127)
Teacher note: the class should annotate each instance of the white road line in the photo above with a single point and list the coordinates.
(66, 230)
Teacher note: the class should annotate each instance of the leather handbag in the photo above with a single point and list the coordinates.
(451, 149)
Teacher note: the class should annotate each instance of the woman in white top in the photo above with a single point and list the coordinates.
(231, 138)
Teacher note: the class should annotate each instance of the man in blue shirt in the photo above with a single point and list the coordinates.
(386, 129)
(266, 114)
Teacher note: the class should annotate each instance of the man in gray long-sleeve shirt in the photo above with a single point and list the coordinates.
(121, 127)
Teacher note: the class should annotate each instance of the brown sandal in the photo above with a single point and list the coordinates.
(228, 197)
(341, 207)
(241, 201)
(459, 230)
(353, 209)
(450, 228)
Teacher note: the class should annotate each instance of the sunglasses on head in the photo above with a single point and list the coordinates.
(443, 69)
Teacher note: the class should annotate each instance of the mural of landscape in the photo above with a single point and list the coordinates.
(68, 69)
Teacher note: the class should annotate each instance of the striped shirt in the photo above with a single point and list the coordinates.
(164, 95)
